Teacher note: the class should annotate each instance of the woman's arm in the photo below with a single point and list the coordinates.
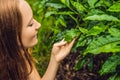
(59, 52)
(51, 70)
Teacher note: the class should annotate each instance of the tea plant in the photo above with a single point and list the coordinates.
(95, 24)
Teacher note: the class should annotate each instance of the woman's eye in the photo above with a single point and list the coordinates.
(31, 24)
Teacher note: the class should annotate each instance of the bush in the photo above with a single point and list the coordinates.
(95, 24)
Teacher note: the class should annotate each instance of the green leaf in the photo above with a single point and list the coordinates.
(102, 44)
(102, 18)
(111, 47)
(79, 7)
(90, 65)
(80, 63)
(59, 36)
(96, 30)
(61, 21)
(55, 5)
(95, 11)
(115, 8)
(70, 34)
(104, 3)
(114, 77)
(63, 1)
(83, 30)
(114, 32)
(66, 2)
(92, 2)
(81, 41)
(110, 65)
(49, 13)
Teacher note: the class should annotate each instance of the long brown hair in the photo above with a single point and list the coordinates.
(12, 62)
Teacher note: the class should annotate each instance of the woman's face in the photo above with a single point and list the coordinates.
(30, 26)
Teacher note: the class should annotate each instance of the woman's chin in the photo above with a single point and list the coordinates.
(34, 43)
(31, 45)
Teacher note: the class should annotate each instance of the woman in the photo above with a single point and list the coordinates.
(18, 32)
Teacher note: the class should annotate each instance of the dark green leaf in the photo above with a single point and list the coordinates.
(114, 77)
(110, 65)
(80, 63)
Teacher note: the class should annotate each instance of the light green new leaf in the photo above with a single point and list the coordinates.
(92, 2)
(63, 1)
(102, 18)
(110, 65)
(66, 2)
(79, 7)
(115, 8)
(83, 30)
(49, 13)
(55, 5)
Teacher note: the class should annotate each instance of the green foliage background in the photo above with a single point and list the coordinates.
(95, 24)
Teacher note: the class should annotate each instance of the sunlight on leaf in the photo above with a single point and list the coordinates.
(102, 18)
(115, 8)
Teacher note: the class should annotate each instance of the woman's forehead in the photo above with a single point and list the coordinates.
(26, 12)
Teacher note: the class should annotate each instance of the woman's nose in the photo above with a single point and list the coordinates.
(38, 25)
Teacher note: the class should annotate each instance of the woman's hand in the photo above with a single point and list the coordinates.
(61, 50)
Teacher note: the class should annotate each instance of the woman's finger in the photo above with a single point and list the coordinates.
(71, 43)
(62, 43)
